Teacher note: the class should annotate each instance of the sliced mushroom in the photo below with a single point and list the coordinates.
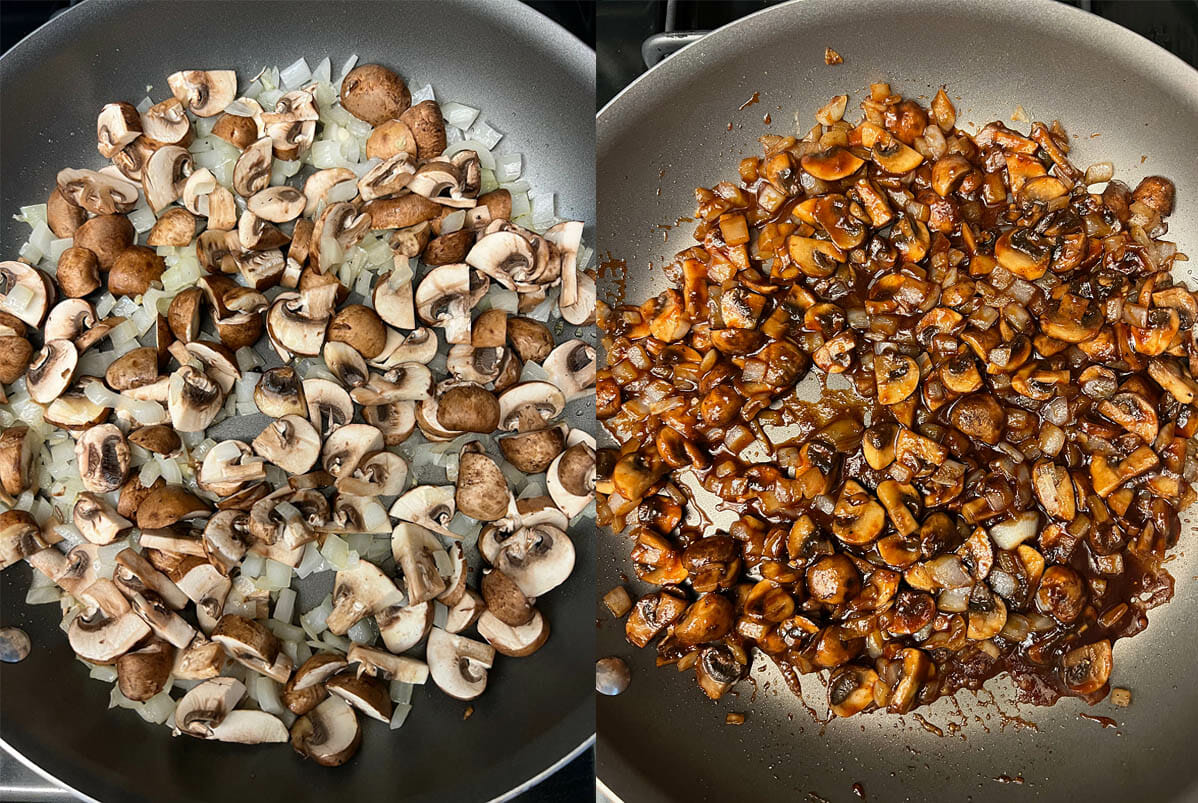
(430, 506)
(108, 628)
(375, 94)
(51, 370)
(392, 296)
(514, 641)
(102, 454)
(280, 393)
(445, 297)
(251, 173)
(97, 520)
(206, 92)
(530, 406)
(164, 177)
(16, 459)
(20, 538)
(533, 452)
(414, 549)
(404, 626)
(458, 665)
(572, 367)
(538, 558)
(290, 442)
(357, 593)
(98, 193)
(277, 204)
(329, 734)
(571, 479)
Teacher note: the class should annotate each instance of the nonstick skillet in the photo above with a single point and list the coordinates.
(532, 79)
(679, 127)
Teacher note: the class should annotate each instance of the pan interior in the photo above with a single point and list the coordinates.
(679, 127)
(537, 710)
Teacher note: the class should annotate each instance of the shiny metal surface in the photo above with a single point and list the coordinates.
(679, 127)
(538, 711)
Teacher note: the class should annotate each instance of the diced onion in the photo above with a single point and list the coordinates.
(285, 605)
(508, 166)
(401, 692)
(295, 74)
(485, 160)
(399, 715)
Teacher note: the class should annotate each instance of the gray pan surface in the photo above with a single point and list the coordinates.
(535, 83)
(669, 133)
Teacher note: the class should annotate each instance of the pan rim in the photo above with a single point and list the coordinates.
(1080, 16)
(578, 58)
(612, 768)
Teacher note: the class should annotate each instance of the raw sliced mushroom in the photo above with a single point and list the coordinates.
(515, 641)
(458, 665)
(538, 558)
(329, 734)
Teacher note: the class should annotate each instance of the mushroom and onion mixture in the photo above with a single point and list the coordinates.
(400, 433)
(1001, 491)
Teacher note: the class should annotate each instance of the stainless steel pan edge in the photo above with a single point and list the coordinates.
(537, 712)
(668, 133)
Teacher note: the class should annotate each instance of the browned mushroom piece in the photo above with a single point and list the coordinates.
(1086, 669)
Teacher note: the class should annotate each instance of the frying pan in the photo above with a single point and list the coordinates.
(537, 712)
(668, 133)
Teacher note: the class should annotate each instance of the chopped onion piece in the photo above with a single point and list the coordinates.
(458, 115)
(508, 166)
(285, 605)
(295, 74)
(485, 160)
(399, 715)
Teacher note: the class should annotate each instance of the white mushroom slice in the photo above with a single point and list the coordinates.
(474, 364)
(515, 642)
(368, 695)
(228, 466)
(465, 612)
(227, 539)
(537, 558)
(582, 311)
(455, 580)
(482, 492)
(51, 370)
(280, 392)
(396, 421)
(103, 456)
(24, 292)
(571, 365)
(96, 192)
(506, 256)
(360, 592)
(98, 637)
(359, 514)
(134, 574)
(207, 705)
(329, 404)
(328, 186)
(392, 296)
(206, 92)
(97, 520)
(117, 125)
(250, 727)
(277, 204)
(430, 506)
(458, 665)
(292, 332)
(166, 123)
(419, 345)
(445, 297)
(165, 623)
(193, 400)
(346, 363)
(404, 626)
(339, 228)
(70, 318)
(434, 178)
(251, 173)
(290, 442)
(329, 734)
(345, 448)
(567, 236)
(165, 175)
(405, 382)
(571, 479)
(208, 589)
(414, 549)
(379, 473)
(382, 664)
(530, 406)
(317, 669)
(388, 178)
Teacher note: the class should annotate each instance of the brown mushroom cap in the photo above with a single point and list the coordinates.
(103, 457)
(62, 215)
(15, 355)
(375, 94)
(428, 127)
(531, 339)
(106, 236)
(468, 408)
(360, 327)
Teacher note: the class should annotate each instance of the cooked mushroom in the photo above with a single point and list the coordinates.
(329, 734)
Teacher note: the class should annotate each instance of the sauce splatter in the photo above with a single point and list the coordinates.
(755, 99)
(1018, 779)
(928, 726)
(616, 270)
(859, 791)
(766, 119)
(1105, 722)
